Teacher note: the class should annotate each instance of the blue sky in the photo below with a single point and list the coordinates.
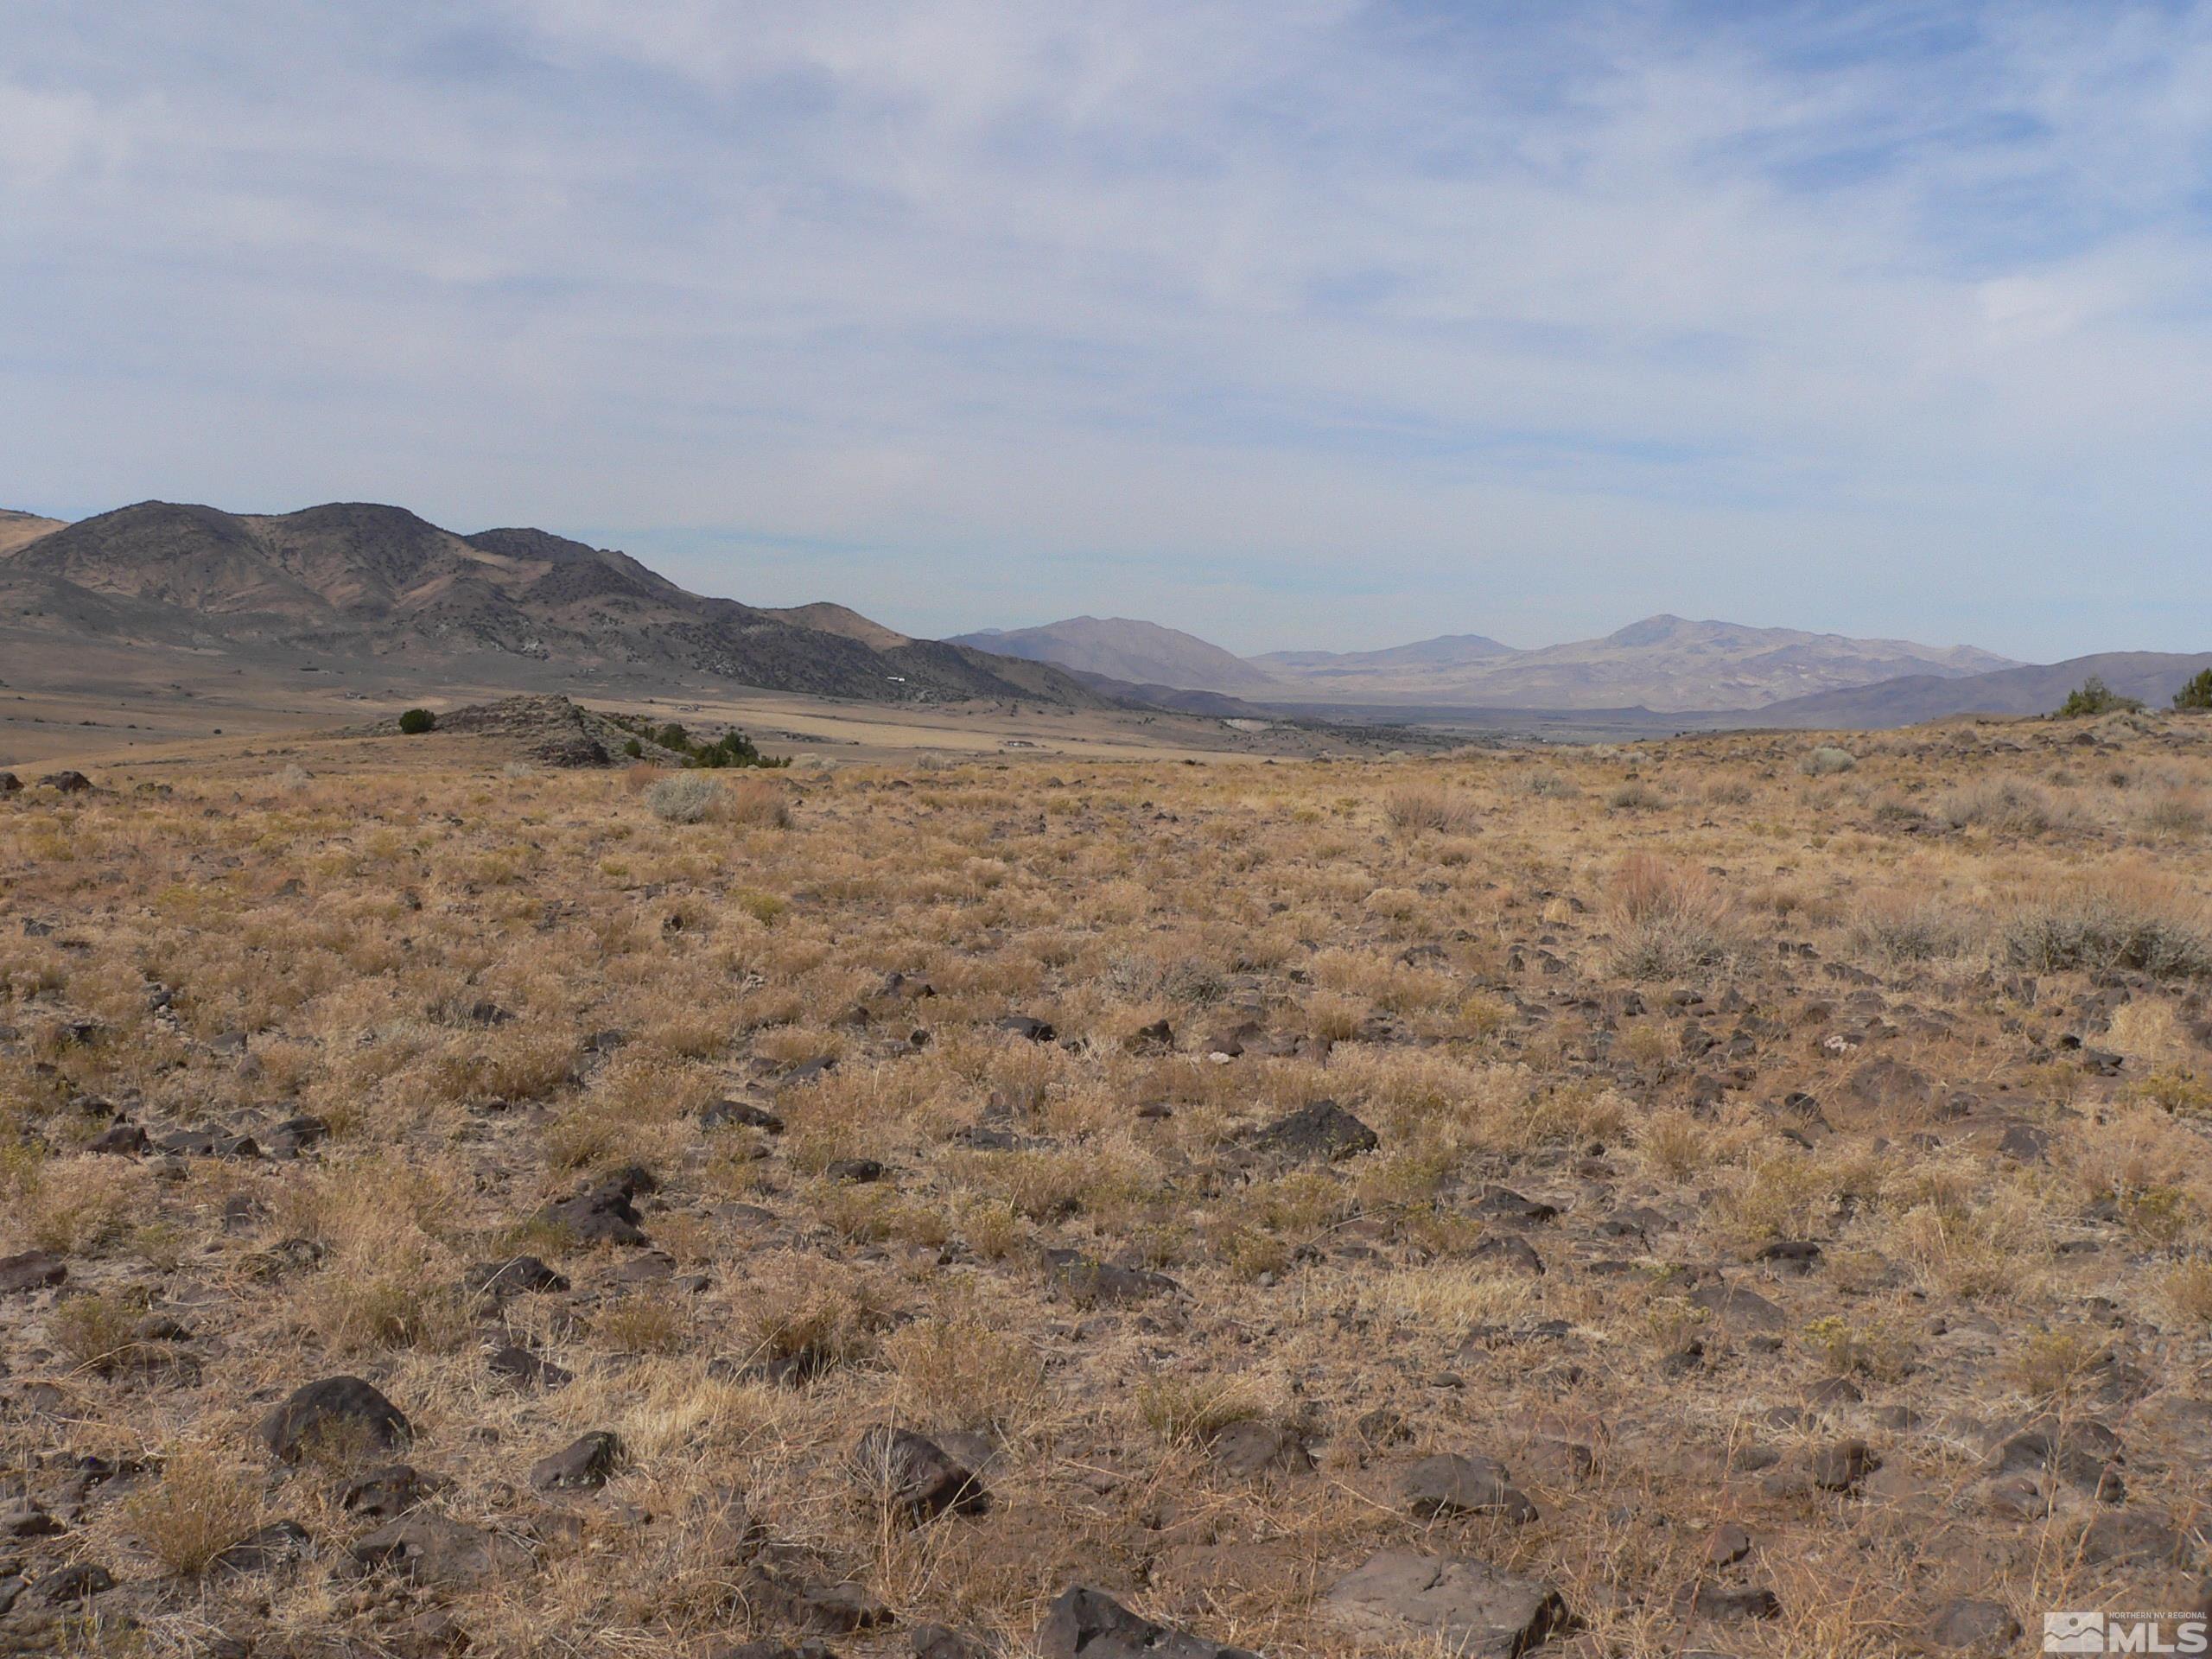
(1302, 323)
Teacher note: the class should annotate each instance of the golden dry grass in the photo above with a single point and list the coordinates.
(1942, 1013)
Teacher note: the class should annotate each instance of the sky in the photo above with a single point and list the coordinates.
(1295, 323)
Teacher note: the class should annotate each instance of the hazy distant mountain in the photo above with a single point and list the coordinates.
(2153, 676)
(1121, 648)
(373, 583)
(1662, 663)
(1446, 650)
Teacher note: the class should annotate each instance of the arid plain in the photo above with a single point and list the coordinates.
(1743, 1194)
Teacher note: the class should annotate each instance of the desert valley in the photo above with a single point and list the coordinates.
(1039, 1169)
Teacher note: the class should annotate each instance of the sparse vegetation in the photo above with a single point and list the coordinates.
(1144, 1135)
(2093, 697)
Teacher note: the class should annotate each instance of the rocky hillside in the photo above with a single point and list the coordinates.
(370, 583)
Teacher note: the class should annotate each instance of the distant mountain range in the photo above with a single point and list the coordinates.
(380, 589)
(367, 584)
(1664, 664)
(1123, 649)
(2151, 677)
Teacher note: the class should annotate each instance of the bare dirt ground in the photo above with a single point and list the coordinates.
(1738, 1195)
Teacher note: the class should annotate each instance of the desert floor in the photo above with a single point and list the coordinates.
(1764, 1209)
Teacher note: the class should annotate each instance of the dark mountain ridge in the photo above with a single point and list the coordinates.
(381, 584)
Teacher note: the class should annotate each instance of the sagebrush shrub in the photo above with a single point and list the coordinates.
(684, 798)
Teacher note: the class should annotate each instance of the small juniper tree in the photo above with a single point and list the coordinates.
(2197, 696)
(418, 721)
(2093, 696)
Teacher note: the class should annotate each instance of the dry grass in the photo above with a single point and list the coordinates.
(1701, 1009)
(1668, 919)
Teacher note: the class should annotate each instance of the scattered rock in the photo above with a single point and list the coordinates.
(1966, 1623)
(1322, 1131)
(1473, 1609)
(1090, 1283)
(583, 1464)
(916, 1474)
(32, 1270)
(1453, 1484)
(341, 1417)
(1255, 1448)
(1085, 1624)
(527, 1372)
(436, 1551)
(279, 1544)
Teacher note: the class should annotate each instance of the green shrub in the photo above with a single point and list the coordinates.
(415, 721)
(2093, 696)
(2197, 696)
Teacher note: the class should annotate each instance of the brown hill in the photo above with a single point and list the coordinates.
(2152, 676)
(1122, 648)
(370, 583)
(19, 530)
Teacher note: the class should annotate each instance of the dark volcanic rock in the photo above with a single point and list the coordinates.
(1323, 1130)
(1474, 1610)
(279, 1544)
(515, 1277)
(1452, 1484)
(583, 1464)
(1086, 1624)
(32, 1270)
(1089, 1282)
(444, 1554)
(601, 1214)
(341, 1414)
(915, 1473)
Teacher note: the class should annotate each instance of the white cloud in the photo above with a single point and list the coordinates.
(1299, 323)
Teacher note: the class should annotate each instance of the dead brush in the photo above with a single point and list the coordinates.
(1667, 919)
(1188, 1411)
(1896, 930)
(2132, 921)
(2010, 806)
(1414, 807)
(965, 1372)
(201, 1506)
(756, 804)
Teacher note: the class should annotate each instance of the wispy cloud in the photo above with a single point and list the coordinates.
(1303, 322)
